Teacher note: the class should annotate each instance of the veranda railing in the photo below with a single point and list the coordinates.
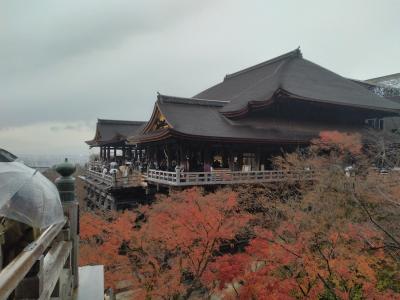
(179, 178)
(115, 181)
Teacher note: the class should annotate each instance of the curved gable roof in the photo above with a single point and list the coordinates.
(294, 76)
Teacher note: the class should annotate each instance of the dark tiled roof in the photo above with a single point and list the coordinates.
(201, 119)
(295, 76)
(394, 98)
(114, 131)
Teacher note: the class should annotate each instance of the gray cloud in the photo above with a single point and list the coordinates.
(39, 34)
(64, 61)
(72, 127)
(74, 61)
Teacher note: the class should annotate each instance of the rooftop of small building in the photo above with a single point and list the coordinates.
(114, 131)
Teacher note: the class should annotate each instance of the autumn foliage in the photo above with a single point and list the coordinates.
(335, 237)
(102, 242)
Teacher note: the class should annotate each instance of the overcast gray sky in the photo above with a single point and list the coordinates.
(64, 63)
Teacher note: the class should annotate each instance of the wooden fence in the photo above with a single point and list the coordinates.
(43, 269)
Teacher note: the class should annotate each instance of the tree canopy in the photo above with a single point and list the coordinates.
(335, 237)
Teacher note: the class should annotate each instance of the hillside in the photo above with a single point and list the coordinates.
(336, 237)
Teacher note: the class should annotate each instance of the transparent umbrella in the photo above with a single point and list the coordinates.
(27, 196)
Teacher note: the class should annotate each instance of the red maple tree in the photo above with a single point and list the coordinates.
(335, 237)
(102, 239)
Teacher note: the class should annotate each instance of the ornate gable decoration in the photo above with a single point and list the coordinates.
(157, 121)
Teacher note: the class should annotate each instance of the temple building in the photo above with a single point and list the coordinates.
(110, 182)
(228, 133)
(238, 124)
(111, 137)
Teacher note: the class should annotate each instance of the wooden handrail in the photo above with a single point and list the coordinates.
(17, 269)
(225, 177)
(113, 181)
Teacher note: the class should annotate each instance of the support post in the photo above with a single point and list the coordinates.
(66, 187)
(123, 153)
(130, 153)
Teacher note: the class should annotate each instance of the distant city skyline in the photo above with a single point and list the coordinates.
(66, 63)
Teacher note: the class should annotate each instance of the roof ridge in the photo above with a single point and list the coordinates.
(293, 53)
(362, 82)
(196, 101)
(110, 121)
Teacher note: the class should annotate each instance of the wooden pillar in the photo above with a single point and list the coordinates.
(225, 157)
(207, 154)
(115, 153)
(178, 154)
(240, 160)
(148, 155)
(168, 158)
(123, 153)
(182, 157)
(258, 159)
(108, 154)
(156, 156)
(231, 162)
(129, 152)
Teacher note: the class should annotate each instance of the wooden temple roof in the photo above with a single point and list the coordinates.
(246, 107)
(198, 119)
(219, 113)
(294, 76)
(114, 131)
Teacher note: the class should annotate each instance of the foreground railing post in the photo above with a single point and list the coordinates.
(66, 187)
